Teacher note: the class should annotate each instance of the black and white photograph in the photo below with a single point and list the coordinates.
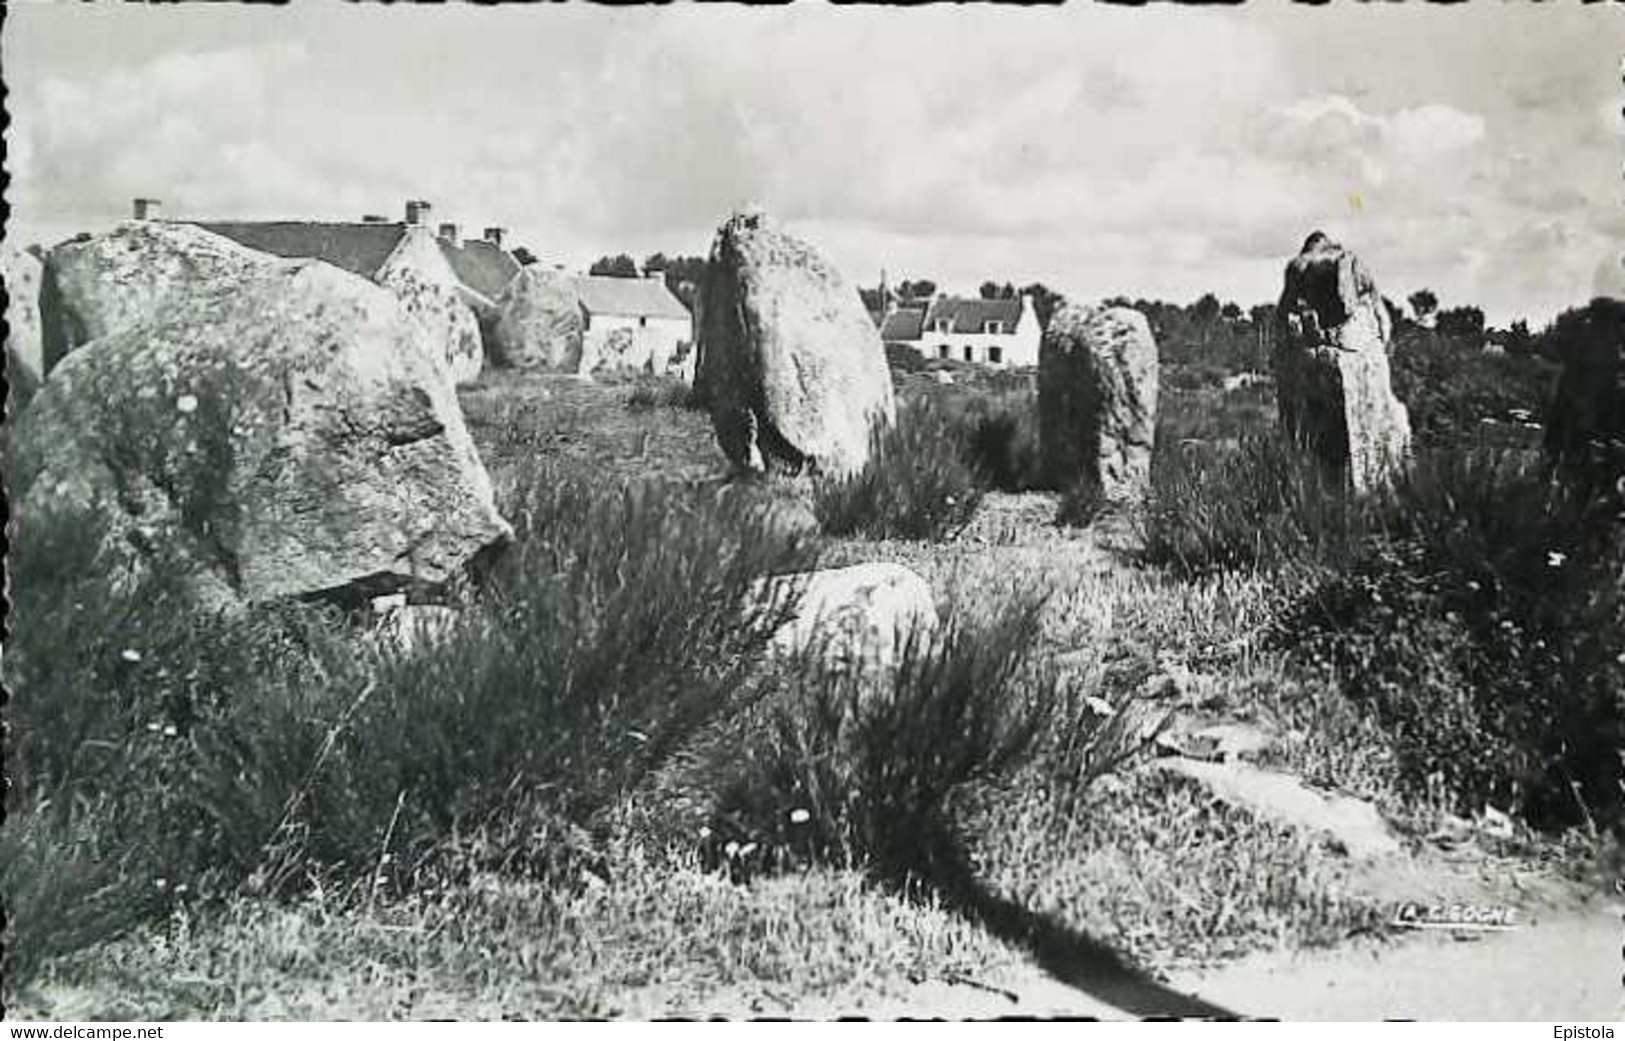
(706, 511)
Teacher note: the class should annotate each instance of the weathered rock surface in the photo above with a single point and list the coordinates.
(25, 358)
(96, 285)
(420, 278)
(1097, 400)
(285, 433)
(790, 362)
(539, 322)
(857, 617)
(1351, 825)
(1331, 366)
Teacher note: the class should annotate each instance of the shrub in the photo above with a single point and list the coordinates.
(864, 772)
(1483, 625)
(1265, 505)
(916, 484)
(1001, 441)
(651, 392)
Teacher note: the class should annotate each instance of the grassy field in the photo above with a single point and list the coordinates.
(453, 857)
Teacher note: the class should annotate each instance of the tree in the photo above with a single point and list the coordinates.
(618, 266)
(919, 289)
(1423, 303)
(1231, 312)
(1463, 323)
(524, 256)
(1046, 301)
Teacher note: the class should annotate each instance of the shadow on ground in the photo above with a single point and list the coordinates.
(1070, 956)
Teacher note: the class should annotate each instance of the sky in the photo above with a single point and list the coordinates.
(1475, 150)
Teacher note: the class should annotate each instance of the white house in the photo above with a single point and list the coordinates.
(632, 323)
(1000, 334)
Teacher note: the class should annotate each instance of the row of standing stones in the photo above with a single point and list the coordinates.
(281, 428)
(795, 374)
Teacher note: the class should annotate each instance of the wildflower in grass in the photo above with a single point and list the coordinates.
(1555, 559)
(799, 816)
(1099, 705)
(130, 655)
(186, 404)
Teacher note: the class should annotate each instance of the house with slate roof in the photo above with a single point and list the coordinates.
(1000, 334)
(636, 319)
(479, 269)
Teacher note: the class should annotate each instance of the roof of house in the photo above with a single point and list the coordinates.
(970, 315)
(358, 248)
(903, 324)
(482, 266)
(644, 297)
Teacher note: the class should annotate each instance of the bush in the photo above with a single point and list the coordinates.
(863, 772)
(652, 392)
(1483, 625)
(1450, 387)
(277, 746)
(916, 484)
(1266, 505)
(1001, 441)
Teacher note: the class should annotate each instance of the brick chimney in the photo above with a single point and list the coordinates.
(417, 211)
(494, 236)
(448, 234)
(147, 209)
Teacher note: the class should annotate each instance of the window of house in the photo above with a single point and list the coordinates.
(995, 355)
(643, 321)
(970, 353)
(942, 352)
(993, 326)
(942, 325)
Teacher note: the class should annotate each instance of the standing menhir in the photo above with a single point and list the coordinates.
(1097, 401)
(1331, 366)
(789, 361)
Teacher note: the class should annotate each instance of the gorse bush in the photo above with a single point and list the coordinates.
(1001, 441)
(650, 392)
(1265, 505)
(1483, 624)
(916, 484)
(280, 745)
(863, 769)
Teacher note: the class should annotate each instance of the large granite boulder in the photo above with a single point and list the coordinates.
(419, 276)
(790, 363)
(25, 356)
(539, 322)
(1331, 366)
(286, 433)
(1097, 401)
(95, 285)
(854, 618)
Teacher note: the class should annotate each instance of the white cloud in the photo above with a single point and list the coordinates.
(1149, 152)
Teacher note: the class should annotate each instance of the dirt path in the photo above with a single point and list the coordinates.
(1565, 966)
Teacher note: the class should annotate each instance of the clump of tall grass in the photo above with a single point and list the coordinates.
(916, 484)
(863, 769)
(652, 392)
(1265, 505)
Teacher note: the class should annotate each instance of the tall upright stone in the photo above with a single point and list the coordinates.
(539, 324)
(1332, 381)
(789, 360)
(1097, 400)
(25, 359)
